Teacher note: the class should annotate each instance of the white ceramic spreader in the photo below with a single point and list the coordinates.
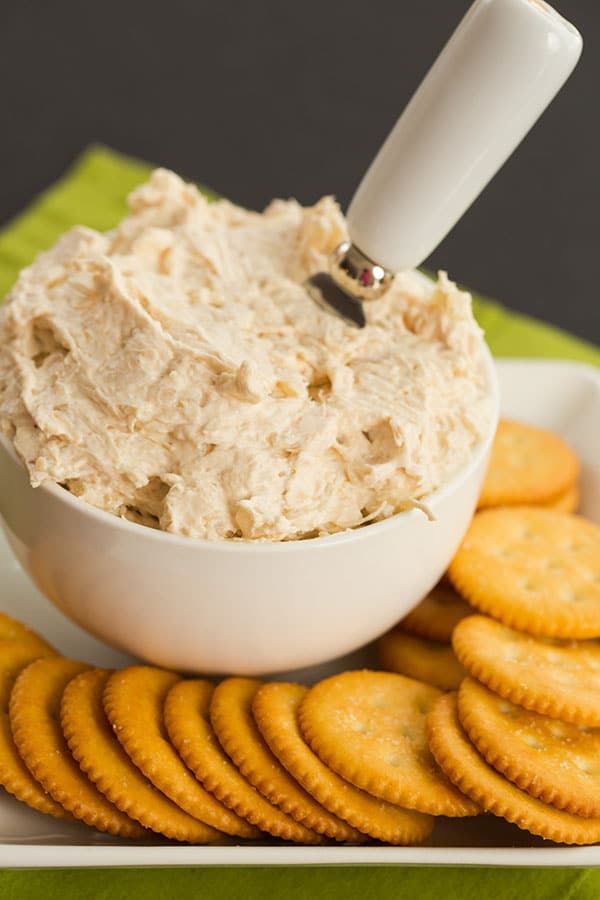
(494, 78)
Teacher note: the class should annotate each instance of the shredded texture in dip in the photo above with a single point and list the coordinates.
(176, 371)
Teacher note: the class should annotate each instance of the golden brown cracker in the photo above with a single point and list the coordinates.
(187, 720)
(567, 502)
(424, 660)
(275, 709)
(560, 679)
(233, 722)
(495, 794)
(13, 630)
(99, 754)
(527, 465)
(34, 720)
(15, 777)
(437, 614)
(133, 702)
(369, 727)
(558, 762)
(535, 569)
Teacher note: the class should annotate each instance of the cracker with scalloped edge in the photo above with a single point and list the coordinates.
(437, 615)
(34, 711)
(535, 569)
(233, 722)
(99, 754)
(369, 727)
(558, 762)
(560, 679)
(133, 701)
(15, 777)
(275, 709)
(528, 465)
(187, 720)
(13, 630)
(429, 661)
(469, 771)
(567, 502)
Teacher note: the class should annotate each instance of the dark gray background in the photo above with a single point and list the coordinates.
(264, 98)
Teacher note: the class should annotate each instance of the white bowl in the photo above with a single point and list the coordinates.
(233, 607)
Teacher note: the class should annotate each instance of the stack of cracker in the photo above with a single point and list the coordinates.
(520, 734)
(528, 467)
(143, 752)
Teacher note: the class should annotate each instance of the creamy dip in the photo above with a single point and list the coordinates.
(176, 371)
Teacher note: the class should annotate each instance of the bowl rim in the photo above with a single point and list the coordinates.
(103, 518)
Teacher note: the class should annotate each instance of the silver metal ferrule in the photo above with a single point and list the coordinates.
(358, 275)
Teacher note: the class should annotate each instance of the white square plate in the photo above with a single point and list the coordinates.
(562, 396)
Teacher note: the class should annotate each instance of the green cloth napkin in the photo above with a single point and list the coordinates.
(93, 193)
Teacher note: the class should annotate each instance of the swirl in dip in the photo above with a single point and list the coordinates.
(176, 371)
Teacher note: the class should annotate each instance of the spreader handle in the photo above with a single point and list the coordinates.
(500, 69)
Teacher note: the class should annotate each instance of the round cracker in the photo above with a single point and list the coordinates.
(535, 569)
(495, 794)
(560, 679)
(567, 502)
(34, 720)
(558, 762)
(187, 720)
(13, 630)
(233, 722)
(428, 661)
(369, 727)
(101, 757)
(15, 777)
(275, 709)
(527, 465)
(133, 702)
(437, 615)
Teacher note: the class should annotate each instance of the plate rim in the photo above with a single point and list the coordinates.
(51, 856)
